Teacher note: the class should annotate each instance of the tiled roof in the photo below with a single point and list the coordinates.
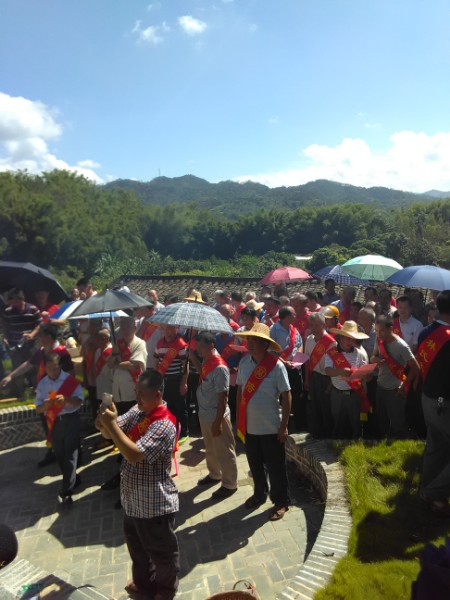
(178, 285)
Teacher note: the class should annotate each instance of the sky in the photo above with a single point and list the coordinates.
(356, 91)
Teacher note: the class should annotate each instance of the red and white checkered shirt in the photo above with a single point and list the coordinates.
(147, 489)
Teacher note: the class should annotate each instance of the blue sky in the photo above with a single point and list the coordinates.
(282, 93)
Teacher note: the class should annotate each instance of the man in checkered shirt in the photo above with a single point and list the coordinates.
(146, 436)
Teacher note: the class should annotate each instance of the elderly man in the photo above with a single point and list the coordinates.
(151, 333)
(271, 307)
(263, 420)
(392, 354)
(299, 304)
(226, 310)
(348, 397)
(317, 382)
(59, 396)
(145, 437)
(288, 338)
(152, 295)
(434, 359)
(214, 417)
(171, 358)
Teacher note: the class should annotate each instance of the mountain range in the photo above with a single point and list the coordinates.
(230, 198)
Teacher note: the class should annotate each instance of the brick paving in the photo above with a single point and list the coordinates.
(220, 542)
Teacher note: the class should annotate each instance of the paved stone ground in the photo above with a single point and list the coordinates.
(220, 542)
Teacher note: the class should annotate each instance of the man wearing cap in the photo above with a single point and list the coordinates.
(434, 360)
(348, 397)
(392, 354)
(317, 382)
(331, 314)
(214, 417)
(258, 307)
(263, 420)
(288, 338)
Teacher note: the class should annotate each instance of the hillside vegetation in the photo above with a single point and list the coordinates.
(62, 221)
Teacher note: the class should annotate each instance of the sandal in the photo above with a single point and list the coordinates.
(254, 501)
(278, 512)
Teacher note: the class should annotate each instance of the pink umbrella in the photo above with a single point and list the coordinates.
(284, 274)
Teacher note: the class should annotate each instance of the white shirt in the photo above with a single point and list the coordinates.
(357, 359)
(410, 330)
(103, 381)
(310, 344)
(47, 385)
(124, 387)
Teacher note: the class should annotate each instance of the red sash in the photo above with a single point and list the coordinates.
(215, 361)
(160, 413)
(68, 386)
(430, 347)
(340, 362)
(260, 371)
(101, 362)
(292, 337)
(125, 355)
(234, 326)
(226, 350)
(173, 349)
(146, 330)
(301, 323)
(237, 312)
(396, 327)
(394, 367)
(60, 350)
(319, 350)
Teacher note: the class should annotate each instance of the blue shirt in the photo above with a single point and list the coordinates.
(283, 337)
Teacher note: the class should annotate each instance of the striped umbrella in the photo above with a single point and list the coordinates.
(339, 276)
(192, 315)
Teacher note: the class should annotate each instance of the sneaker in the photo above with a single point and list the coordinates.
(207, 480)
(223, 493)
(183, 440)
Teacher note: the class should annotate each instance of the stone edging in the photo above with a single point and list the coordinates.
(316, 461)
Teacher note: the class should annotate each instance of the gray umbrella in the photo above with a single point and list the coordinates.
(192, 315)
(109, 301)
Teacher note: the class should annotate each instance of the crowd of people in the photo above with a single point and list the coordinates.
(329, 364)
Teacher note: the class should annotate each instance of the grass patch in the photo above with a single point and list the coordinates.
(390, 526)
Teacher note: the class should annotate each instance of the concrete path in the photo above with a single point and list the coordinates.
(220, 542)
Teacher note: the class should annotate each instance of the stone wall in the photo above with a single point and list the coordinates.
(316, 461)
(21, 425)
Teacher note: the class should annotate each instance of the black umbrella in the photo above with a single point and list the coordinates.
(30, 278)
(109, 301)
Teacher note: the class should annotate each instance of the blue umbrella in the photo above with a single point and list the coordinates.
(339, 276)
(423, 276)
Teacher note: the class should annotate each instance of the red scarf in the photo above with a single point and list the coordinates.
(301, 323)
(396, 327)
(66, 389)
(160, 413)
(261, 370)
(173, 349)
(430, 347)
(215, 361)
(319, 350)
(292, 337)
(101, 361)
(125, 356)
(340, 362)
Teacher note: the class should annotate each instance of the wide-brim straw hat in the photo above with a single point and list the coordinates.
(254, 305)
(195, 296)
(261, 331)
(350, 329)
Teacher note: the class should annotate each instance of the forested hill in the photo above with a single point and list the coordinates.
(230, 198)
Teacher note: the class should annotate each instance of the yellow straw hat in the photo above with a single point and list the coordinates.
(261, 331)
(195, 296)
(350, 329)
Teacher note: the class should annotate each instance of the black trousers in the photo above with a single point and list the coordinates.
(266, 454)
(176, 403)
(153, 548)
(299, 407)
(319, 415)
(65, 444)
(191, 396)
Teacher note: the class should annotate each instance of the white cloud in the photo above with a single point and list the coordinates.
(26, 128)
(192, 26)
(412, 161)
(154, 6)
(152, 34)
